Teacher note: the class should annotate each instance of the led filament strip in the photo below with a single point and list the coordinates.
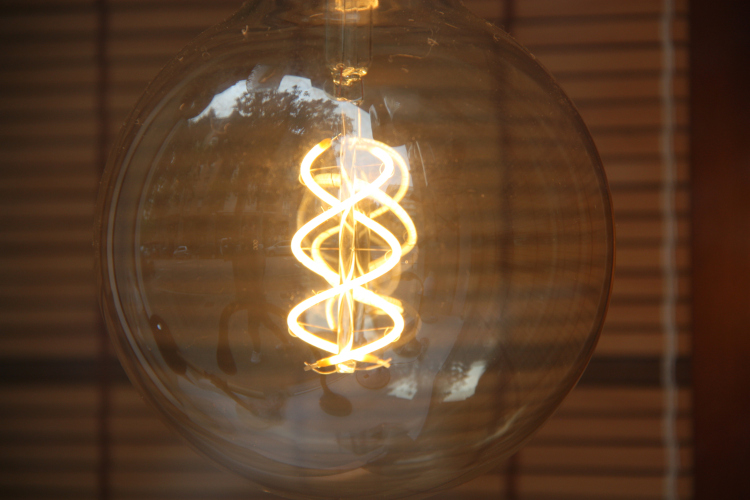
(348, 287)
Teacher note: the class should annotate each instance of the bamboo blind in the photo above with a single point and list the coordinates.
(71, 70)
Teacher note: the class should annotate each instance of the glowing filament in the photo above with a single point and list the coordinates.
(345, 286)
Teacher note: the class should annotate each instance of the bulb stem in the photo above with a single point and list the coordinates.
(349, 44)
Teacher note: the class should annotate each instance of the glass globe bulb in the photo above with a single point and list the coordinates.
(354, 248)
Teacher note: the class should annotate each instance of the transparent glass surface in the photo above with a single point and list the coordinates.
(432, 166)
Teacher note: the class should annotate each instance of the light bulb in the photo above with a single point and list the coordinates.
(354, 248)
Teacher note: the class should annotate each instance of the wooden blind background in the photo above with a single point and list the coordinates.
(71, 70)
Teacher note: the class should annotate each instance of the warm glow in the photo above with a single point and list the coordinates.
(347, 289)
(350, 5)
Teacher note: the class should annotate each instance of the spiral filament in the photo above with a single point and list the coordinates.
(367, 252)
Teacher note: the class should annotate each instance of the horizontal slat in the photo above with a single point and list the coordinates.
(571, 8)
(615, 430)
(593, 459)
(648, 287)
(46, 102)
(624, 402)
(46, 456)
(644, 314)
(46, 483)
(621, 115)
(648, 232)
(637, 344)
(52, 427)
(601, 87)
(624, 171)
(204, 482)
(41, 130)
(593, 31)
(29, 400)
(76, 24)
(82, 154)
(584, 487)
(637, 142)
(196, 17)
(606, 60)
(649, 258)
(86, 319)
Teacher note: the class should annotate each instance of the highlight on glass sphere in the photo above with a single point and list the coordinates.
(354, 248)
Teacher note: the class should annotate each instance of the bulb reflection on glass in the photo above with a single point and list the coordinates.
(352, 253)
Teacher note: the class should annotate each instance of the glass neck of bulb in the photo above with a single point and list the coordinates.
(348, 49)
(349, 26)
